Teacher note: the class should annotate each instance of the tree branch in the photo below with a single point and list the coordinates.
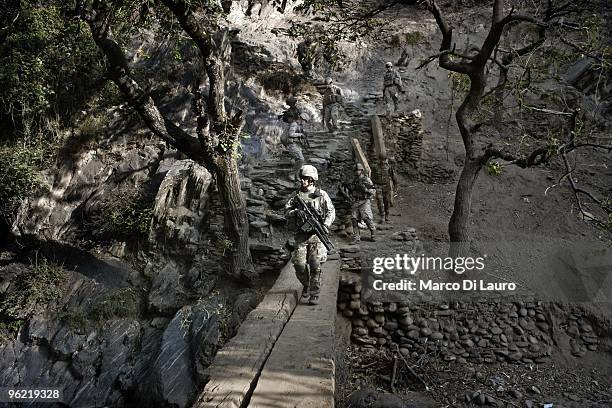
(445, 46)
(206, 44)
(98, 20)
(440, 54)
(538, 156)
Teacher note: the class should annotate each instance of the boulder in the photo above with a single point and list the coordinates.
(187, 346)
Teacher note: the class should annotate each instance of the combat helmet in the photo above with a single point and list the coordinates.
(308, 170)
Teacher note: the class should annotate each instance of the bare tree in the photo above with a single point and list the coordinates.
(475, 66)
(217, 137)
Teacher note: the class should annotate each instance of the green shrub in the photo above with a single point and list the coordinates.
(18, 179)
(460, 83)
(121, 302)
(49, 63)
(494, 168)
(36, 289)
(414, 38)
(127, 213)
(9, 330)
(76, 319)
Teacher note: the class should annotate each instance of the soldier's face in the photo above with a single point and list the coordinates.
(306, 182)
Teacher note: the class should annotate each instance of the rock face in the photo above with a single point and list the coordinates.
(187, 346)
(167, 294)
(180, 204)
(109, 360)
(78, 187)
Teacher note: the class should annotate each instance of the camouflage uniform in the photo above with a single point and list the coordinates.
(361, 191)
(308, 248)
(332, 100)
(392, 85)
(306, 55)
(385, 181)
(292, 113)
(291, 138)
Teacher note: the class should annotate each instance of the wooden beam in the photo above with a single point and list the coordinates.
(360, 156)
(380, 150)
(236, 367)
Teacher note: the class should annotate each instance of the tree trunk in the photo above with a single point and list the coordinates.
(498, 97)
(459, 225)
(214, 148)
(235, 218)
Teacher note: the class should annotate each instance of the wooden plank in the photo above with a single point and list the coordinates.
(380, 153)
(380, 149)
(360, 156)
(300, 372)
(234, 372)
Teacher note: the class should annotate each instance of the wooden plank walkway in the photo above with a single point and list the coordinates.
(235, 370)
(300, 371)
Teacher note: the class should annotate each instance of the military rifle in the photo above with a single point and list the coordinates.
(304, 140)
(313, 222)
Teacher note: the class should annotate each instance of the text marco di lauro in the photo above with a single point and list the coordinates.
(465, 285)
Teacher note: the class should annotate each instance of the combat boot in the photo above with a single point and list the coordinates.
(356, 239)
(305, 293)
(387, 219)
(314, 300)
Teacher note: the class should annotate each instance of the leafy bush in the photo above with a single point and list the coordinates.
(494, 168)
(19, 177)
(121, 302)
(49, 63)
(115, 303)
(127, 213)
(76, 319)
(9, 330)
(40, 286)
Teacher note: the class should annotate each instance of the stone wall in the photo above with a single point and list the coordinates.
(485, 331)
(404, 138)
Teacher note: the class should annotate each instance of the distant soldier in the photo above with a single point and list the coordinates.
(332, 101)
(309, 249)
(294, 140)
(360, 192)
(392, 86)
(292, 113)
(386, 182)
(307, 55)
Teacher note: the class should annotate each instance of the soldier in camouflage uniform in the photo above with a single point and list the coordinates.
(292, 113)
(392, 86)
(332, 101)
(385, 181)
(309, 249)
(293, 137)
(361, 191)
(307, 54)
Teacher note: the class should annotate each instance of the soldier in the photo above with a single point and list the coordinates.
(392, 85)
(386, 183)
(332, 100)
(309, 249)
(293, 138)
(307, 54)
(361, 191)
(292, 113)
